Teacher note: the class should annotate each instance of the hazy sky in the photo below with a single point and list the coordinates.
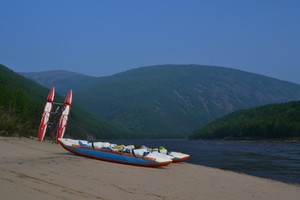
(103, 37)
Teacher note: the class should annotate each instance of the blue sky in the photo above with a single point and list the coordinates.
(103, 37)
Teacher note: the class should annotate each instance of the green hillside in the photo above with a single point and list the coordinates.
(170, 101)
(21, 105)
(275, 121)
(62, 80)
(19, 111)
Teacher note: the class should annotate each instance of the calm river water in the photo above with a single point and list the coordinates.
(275, 160)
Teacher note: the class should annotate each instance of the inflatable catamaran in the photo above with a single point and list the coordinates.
(106, 151)
(60, 126)
(142, 156)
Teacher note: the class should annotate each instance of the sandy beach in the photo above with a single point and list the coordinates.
(41, 170)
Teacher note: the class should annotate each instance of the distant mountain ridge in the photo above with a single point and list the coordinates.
(173, 100)
(62, 79)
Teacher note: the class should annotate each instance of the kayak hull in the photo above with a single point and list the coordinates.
(64, 117)
(177, 160)
(179, 157)
(46, 115)
(112, 156)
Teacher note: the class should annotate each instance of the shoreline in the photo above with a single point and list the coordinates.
(237, 156)
(41, 170)
(287, 140)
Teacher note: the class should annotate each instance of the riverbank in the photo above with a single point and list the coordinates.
(41, 170)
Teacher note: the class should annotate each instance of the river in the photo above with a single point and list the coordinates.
(275, 160)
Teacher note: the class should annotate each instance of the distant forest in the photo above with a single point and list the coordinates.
(167, 101)
(21, 106)
(19, 111)
(274, 121)
(158, 102)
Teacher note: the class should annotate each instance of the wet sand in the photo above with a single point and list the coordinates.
(41, 170)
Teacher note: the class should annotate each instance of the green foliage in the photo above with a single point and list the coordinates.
(21, 106)
(18, 109)
(63, 80)
(169, 101)
(275, 121)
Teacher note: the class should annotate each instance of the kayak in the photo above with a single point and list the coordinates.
(109, 152)
(64, 112)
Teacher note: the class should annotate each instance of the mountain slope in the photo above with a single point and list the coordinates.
(22, 102)
(275, 121)
(19, 110)
(172, 100)
(61, 79)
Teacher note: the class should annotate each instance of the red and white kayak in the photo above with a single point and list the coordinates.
(46, 115)
(64, 117)
(62, 124)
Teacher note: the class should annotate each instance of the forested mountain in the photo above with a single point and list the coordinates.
(170, 101)
(274, 121)
(63, 80)
(21, 106)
